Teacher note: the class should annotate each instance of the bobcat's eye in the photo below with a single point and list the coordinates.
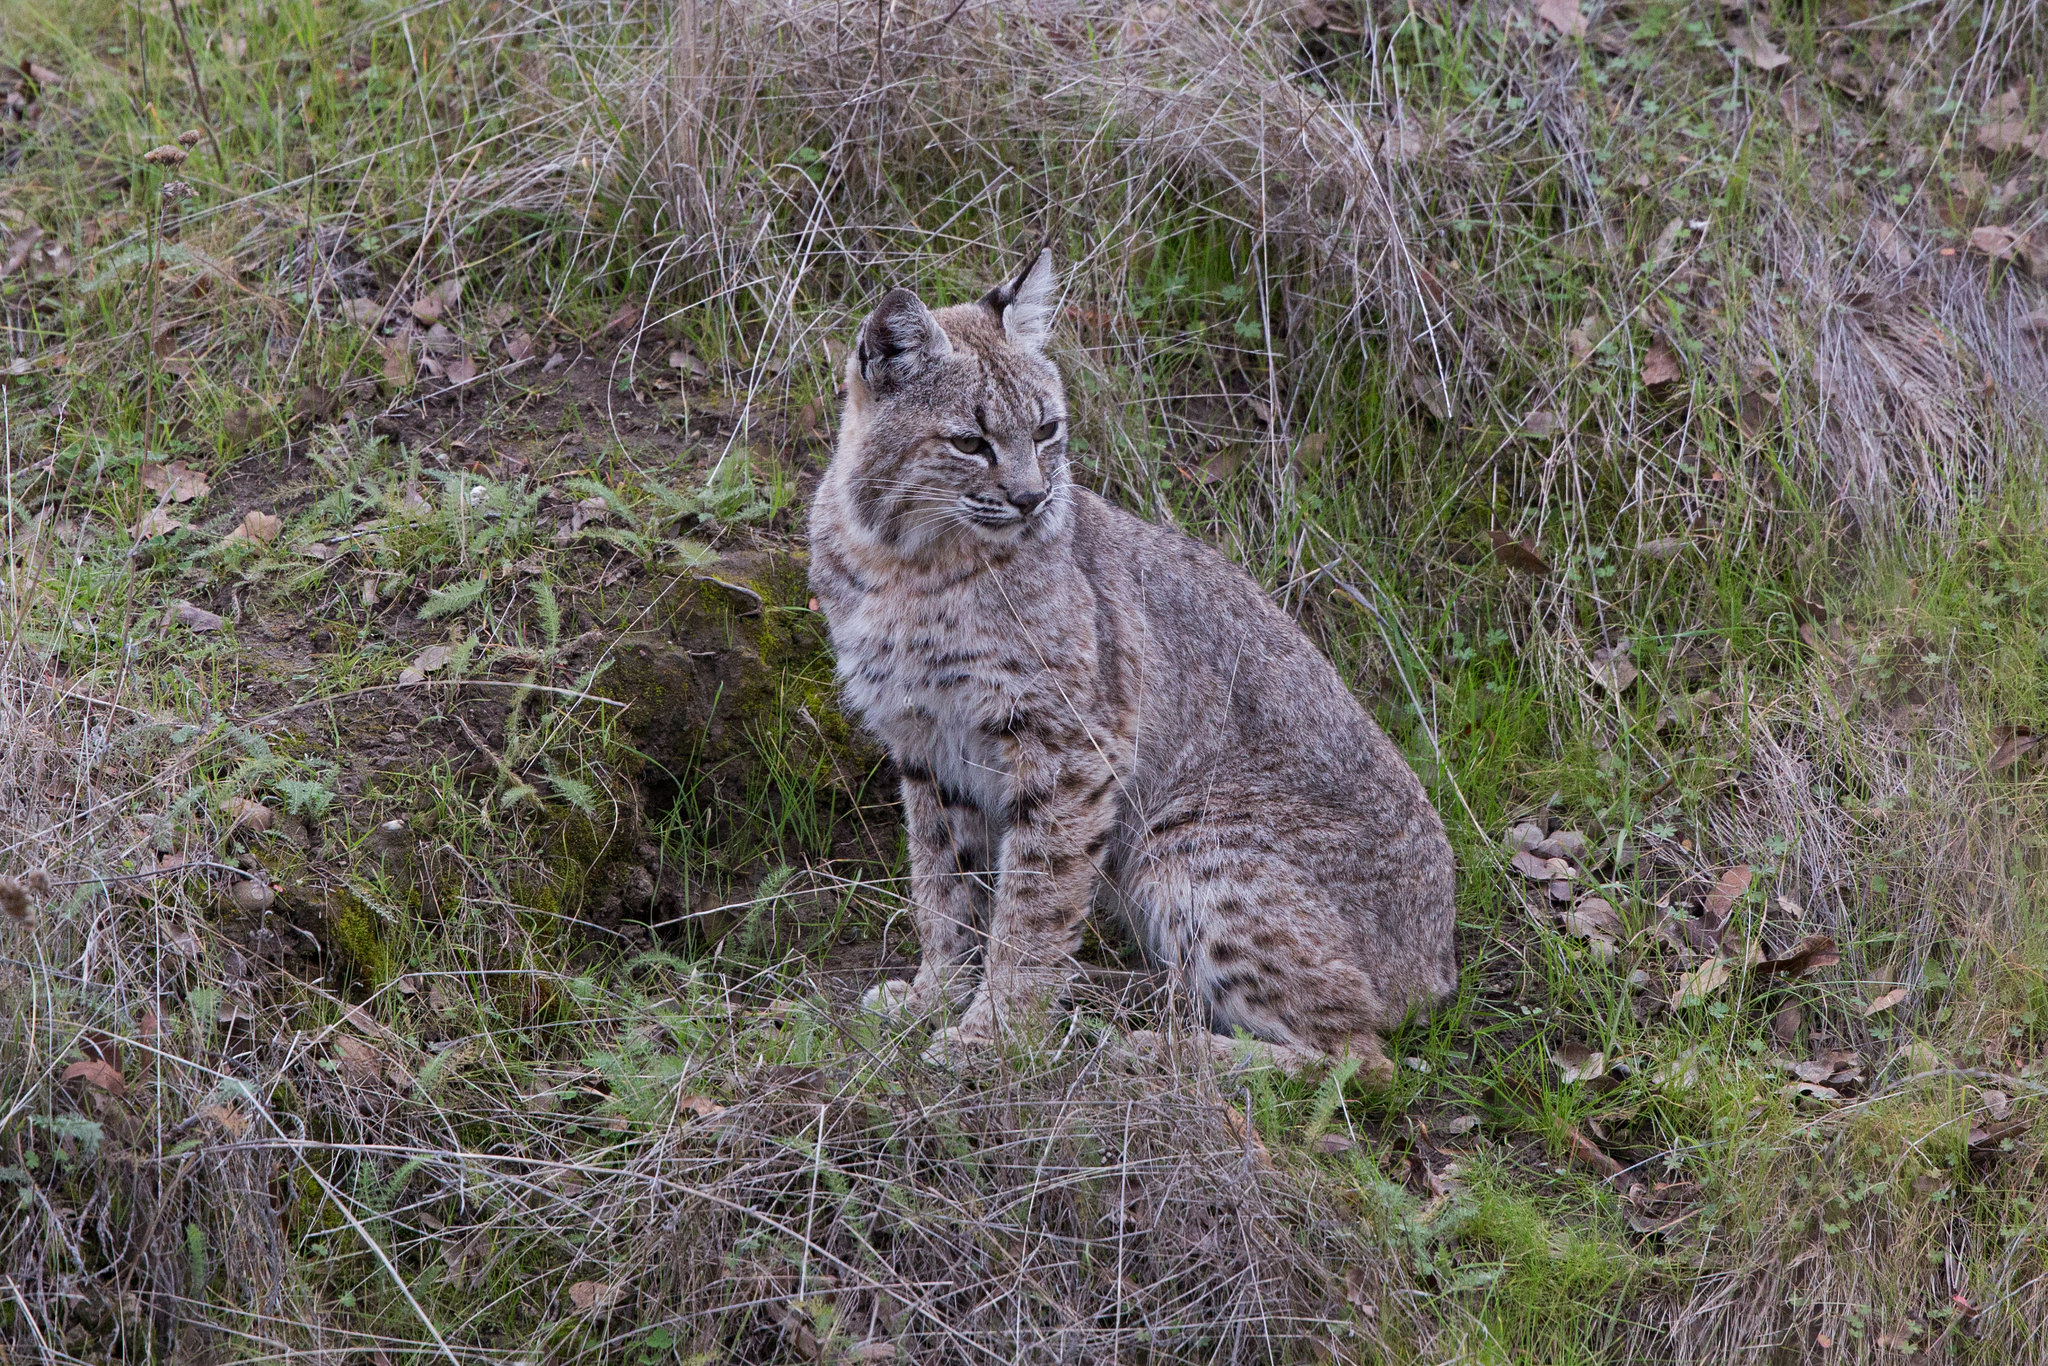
(1048, 431)
(969, 445)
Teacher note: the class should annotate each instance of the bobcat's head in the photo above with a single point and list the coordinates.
(955, 429)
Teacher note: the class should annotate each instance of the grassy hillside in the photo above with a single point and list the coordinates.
(439, 876)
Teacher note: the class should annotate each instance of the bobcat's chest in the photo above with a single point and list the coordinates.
(937, 684)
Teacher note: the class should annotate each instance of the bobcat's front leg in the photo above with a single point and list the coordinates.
(950, 861)
(1062, 803)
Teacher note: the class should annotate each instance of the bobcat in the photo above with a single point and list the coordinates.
(1080, 702)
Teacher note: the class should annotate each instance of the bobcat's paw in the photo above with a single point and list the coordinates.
(888, 999)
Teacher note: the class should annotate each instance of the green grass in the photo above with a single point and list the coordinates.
(449, 1079)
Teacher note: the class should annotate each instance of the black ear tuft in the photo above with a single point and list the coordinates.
(900, 341)
(1024, 302)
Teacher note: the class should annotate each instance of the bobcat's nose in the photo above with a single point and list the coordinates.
(1025, 499)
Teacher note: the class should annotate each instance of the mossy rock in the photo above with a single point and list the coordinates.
(726, 673)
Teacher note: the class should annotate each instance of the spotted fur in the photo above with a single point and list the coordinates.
(1087, 708)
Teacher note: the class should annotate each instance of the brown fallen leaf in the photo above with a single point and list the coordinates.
(1785, 1026)
(428, 308)
(701, 1106)
(255, 528)
(588, 1295)
(1727, 891)
(231, 1120)
(1702, 982)
(313, 404)
(1332, 1144)
(244, 814)
(1809, 1090)
(95, 1072)
(362, 312)
(1577, 1063)
(1810, 954)
(2008, 244)
(1985, 1137)
(197, 617)
(519, 347)
(1661, 366)
(178, 482)
(1518, 553)
(398, 369)
(1611, 668)
(2013, 743)
(433, 659)
(1886, 1001)
(1997, 1104)
(1563, 16)
(1542, 423)
(1595, 919)
(1537, 868)
(2006, 135)
(1586, 1151)
(1663, 547)
(158, 521)
(1225, 462)
(1753, 45)
(1802, 107)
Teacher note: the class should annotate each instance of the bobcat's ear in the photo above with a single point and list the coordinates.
(1025, 303)
(899, 341)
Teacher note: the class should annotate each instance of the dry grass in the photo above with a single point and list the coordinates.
(1347, 290)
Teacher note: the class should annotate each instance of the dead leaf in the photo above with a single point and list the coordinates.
(1583, 1149)
(40, 74)
(519, 347)
(2007, 244)
(701, 1106)
(1886, 1001)
(2014, 743)
(1810, 954)
(1997, 1104)
(1595, 920)
(313, 404)
(1661, 366)
(231, 1120)
(627, 316)
(363, 312)
(461, 371)
(1224, 463)
(1985, 1137)
(1785, 1026)
(2011, 134)
(1542, 424)
(1702, 982)
(433, 659)
(158, 521)
(1809, 1090)
(1611, 668)
(1537, 868)
(398, 371)
(587, 1295)
(428, 308)
(1568, 844)
(1579, 1063)
(256, 528)
(179, 482)
(1332, 1144)
(244, 814)
(1562, 15)
(1802, 107)
(1892, 243)
(94, 1072)
(1727, 891)
(1663, 547)
(1518, 554)
(197, 617)
(1754, 45)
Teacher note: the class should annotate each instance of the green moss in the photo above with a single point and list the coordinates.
(355, 935)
